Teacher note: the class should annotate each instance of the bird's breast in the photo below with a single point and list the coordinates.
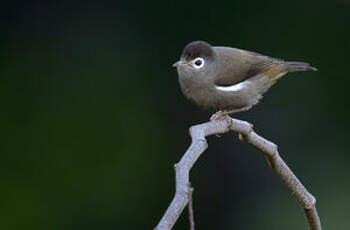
(196, 90)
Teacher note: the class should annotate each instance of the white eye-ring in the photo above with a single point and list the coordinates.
(198, 62)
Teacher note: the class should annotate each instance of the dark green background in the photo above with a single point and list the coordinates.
(92, 118)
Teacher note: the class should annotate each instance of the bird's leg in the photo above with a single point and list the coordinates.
(224, 114)
(237, 110)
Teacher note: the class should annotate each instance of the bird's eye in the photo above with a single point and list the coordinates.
(198, 62)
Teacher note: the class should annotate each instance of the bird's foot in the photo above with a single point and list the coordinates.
(221, 115)
(224, 114)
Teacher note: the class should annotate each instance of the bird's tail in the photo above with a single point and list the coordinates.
(299, 66)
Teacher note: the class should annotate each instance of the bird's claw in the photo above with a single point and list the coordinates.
(216, 116)
(221, 115)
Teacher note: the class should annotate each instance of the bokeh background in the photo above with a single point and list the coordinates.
(92, 118)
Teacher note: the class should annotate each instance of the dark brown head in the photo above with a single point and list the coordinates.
(195, 55)
(197, 49)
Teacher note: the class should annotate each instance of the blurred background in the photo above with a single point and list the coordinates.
(92, 118)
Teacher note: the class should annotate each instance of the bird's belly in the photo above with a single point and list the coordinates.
(213, 98)
(235, 99)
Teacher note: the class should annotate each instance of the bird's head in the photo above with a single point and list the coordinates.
(196, 58)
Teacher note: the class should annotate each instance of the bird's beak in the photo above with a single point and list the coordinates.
(180, 63)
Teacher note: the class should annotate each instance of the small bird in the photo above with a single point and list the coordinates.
(229, 80)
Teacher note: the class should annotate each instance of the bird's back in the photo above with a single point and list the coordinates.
(237, 65)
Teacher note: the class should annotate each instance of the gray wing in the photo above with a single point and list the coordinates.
(237, 65)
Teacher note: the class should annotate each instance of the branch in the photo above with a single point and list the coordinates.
(190, 208)
(246, 133)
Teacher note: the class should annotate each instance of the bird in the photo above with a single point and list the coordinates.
(229, 80)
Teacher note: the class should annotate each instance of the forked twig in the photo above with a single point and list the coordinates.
(247, 134)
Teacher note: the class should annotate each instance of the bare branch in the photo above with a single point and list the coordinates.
(190, 208)
(246, 133)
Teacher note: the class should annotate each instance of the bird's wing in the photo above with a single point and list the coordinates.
(240, 65)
